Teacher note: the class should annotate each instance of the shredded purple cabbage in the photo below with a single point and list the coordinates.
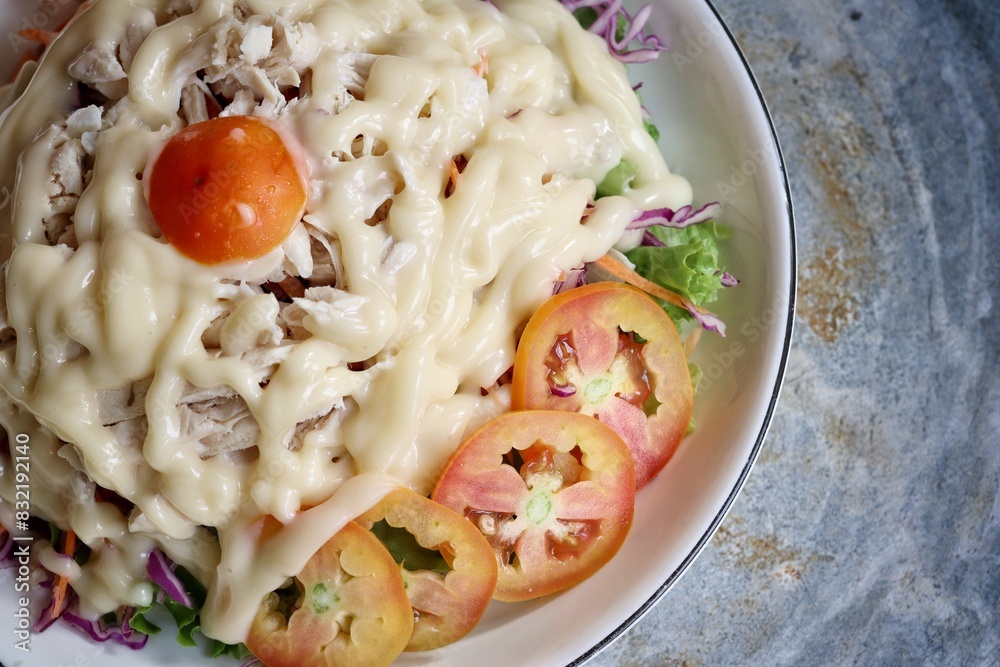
(679, 219)
(47, 618)
(574, 278)
(729, 280)
(651, 239)
(100, 632)
(609, 15)
(707, 320)
(161, 573)
(563, 391)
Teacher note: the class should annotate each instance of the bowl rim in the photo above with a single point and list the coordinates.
(775, 391)
(781, 367)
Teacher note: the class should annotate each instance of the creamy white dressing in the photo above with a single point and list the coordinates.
(432, 292)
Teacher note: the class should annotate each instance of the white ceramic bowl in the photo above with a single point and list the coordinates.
(717, 132)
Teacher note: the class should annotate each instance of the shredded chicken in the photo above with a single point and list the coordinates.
(322, 427)
(221, 423)
(259, 65)
(320, 307)
(257, 60)
(123, 410)
(64, 191)
(327, 265)
(195, 103)
(73, 143)
(103, 66)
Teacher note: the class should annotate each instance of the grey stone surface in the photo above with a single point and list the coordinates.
(869, 530)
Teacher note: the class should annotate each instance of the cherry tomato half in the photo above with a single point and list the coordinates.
(608, 350)
(348, 607)
(553, 492)
(226, 189)
(447, 565)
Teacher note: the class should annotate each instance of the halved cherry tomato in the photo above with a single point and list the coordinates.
(553, 492)
(608, 350)
(226, 189)
(446, 605)
(350, 608)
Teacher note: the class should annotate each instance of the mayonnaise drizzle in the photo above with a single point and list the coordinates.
(433, 294)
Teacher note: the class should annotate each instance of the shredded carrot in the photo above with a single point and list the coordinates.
(59, 596)
(69, 543)
(453, 179)
(43, 37)
(482, 68)
(46, 37)
(619, 270)
(60, 585)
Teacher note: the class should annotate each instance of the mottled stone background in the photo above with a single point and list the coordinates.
(869, 530)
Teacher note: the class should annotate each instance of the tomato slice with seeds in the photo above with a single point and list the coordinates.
(447, 565)
(553, 492)
(609, 351)
(226, 189)
(347, 607)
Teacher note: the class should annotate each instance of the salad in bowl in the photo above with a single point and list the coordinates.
(339, 332)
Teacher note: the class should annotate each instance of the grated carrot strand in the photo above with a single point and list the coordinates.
(482, 68)
(619, 270)
(60, 585)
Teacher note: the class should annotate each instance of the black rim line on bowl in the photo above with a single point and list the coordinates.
(724, 510)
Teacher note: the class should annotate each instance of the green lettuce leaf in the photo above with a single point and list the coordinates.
(617, 180)
(650, 127)
(187, 619)
(689, 263)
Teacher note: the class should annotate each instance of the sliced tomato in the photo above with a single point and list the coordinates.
(609, 351)
(348, 606)
(447, 565)
(553, 492)
(226, 189)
